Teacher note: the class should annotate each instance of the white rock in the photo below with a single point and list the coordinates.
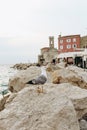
(17, 82)
(77, 95)
(83, 125)
(69, 75)
(30, 110)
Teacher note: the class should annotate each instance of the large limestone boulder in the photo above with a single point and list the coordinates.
(3, 100)
(79, 71)
(83, 125)
(45, 107)
(18, 82)
(77, 95)
(48, 110)
(51, 67)
(70, 75)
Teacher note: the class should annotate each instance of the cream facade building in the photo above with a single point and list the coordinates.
(83, 43)
(48, 53)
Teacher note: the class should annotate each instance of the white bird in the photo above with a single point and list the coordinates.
(40, 79)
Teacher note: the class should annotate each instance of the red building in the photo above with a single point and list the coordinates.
(68, 43)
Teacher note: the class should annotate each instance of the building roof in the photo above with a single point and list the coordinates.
(72, 54)
(69, 36)
(45, 48)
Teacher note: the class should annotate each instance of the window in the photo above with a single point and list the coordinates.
(74, 46)
(68, 46)
(68, 40)
(61, 41)
(74, 39)
(61, 47)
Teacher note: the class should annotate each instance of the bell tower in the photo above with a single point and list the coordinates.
(51, 41)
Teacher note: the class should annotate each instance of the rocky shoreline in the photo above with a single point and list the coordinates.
(24, 66)
(59, 104)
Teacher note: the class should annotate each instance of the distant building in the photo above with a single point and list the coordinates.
(78, 58)
(83, 42)
(48, 53)
(68, 43)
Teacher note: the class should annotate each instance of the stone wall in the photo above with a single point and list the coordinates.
(48, 56)
(83, 42)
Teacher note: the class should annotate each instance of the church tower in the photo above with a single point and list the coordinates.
(51, 42)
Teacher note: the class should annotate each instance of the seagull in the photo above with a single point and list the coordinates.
(40, 79)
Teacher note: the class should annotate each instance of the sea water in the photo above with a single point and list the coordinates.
(6, 72)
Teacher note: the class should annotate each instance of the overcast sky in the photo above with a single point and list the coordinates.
(25, 26)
